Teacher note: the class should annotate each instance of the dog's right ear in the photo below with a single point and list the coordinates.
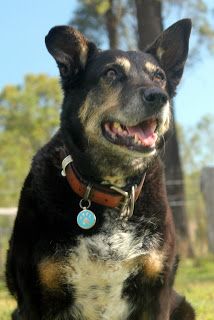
(69, 48)
(171, 50)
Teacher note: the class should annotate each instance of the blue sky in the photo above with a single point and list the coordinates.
(24, 24)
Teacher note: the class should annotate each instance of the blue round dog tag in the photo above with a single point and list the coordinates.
(86, 219)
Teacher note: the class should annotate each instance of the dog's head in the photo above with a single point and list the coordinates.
(116, 105)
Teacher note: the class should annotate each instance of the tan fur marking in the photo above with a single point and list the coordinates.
(97, 284)
(125, 63)
(50, 273)
(90, 113)
(82, 44)
(153, 263)
(166, 119)
(83, 54)
(150, 66)
(160, 52)
(114, 180)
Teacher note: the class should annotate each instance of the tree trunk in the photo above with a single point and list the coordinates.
(175, 190)
(150, 25)
(112, 25)
(149, 21)
(207, 187)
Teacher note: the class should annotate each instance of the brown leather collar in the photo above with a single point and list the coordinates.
(106, 196)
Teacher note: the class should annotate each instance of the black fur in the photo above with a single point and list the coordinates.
(46, 239)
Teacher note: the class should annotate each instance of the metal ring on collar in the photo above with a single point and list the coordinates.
(66, 162)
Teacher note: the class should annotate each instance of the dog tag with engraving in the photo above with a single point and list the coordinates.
(86, 219)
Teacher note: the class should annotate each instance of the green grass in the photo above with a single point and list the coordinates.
(195, 279)
(7, 304)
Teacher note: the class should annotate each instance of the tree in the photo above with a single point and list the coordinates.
(197, 151)
(200, 138)
(29, 117)
(90, 18)
(149, 21)
(105, 21)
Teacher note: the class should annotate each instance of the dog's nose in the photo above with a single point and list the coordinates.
(154, 97)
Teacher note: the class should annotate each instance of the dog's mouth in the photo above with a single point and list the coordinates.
(141, 137)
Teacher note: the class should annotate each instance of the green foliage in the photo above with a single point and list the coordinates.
(87, 19)
(29, 117)
(196, 144)
(7, 304)
(195, 280)
(90, 19)
(197, 151)
(196, 213)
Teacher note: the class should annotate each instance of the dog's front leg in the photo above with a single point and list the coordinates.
(20, 275)
(180, 308)
(164, 304)
(160, 308)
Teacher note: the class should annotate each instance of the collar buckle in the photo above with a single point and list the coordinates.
(127, 206)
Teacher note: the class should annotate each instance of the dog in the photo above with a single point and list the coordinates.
(94, 237)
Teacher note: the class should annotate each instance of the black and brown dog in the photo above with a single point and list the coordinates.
(97, 242)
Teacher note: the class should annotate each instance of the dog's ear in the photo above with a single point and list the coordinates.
(171, 50)
(69, 48)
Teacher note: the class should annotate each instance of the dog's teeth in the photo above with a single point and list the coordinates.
(135, 138)
(117, 125)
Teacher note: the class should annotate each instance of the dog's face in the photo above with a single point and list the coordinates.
(116, 108)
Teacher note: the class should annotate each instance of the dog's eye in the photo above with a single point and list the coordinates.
(111, 74)
(158, 75)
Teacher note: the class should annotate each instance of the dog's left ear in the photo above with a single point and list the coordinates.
(171, 50)
(69, 48)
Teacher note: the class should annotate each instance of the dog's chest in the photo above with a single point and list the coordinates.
(98, 284)
(98, 268)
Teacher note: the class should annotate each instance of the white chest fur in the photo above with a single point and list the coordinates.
(98, 266)
(98, 286)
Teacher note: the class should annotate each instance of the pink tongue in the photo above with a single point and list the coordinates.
(146, 134)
